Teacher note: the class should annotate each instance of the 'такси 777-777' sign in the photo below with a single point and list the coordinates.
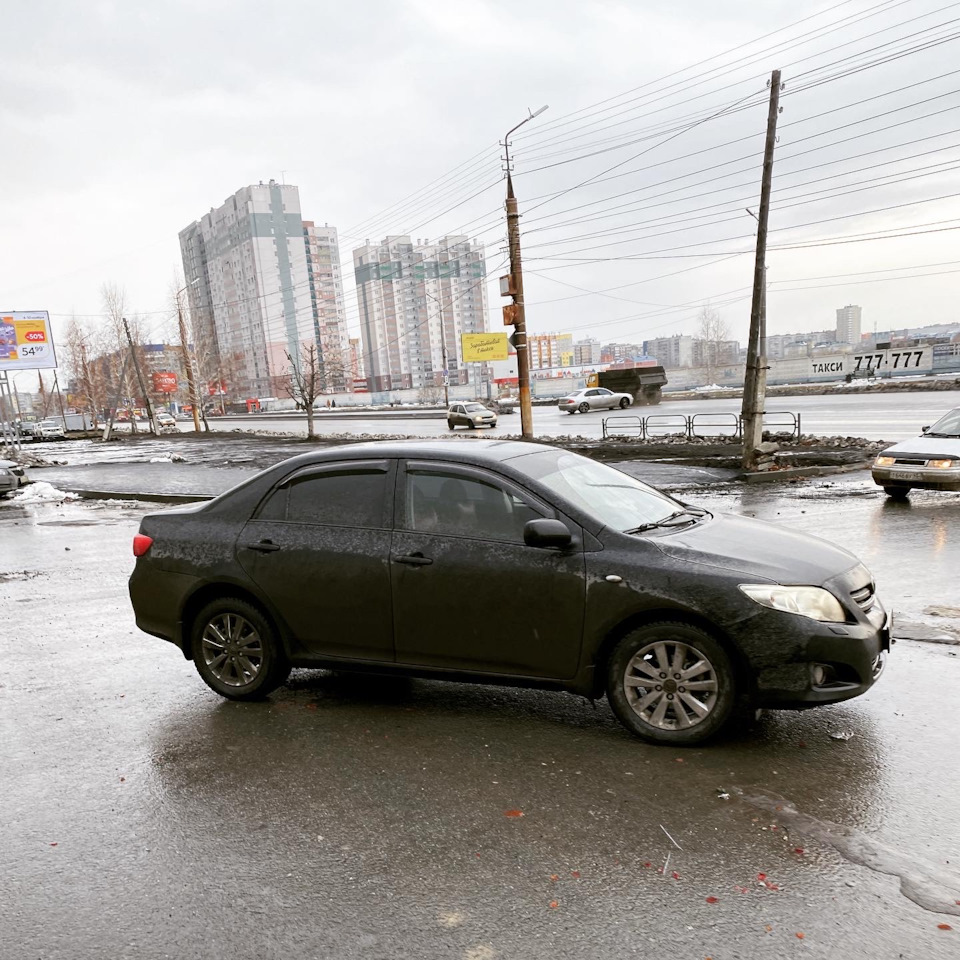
(25, 340)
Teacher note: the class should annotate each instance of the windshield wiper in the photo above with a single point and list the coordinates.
(692, 513)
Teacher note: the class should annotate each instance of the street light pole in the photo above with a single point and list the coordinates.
(187, 364)
(516, 273)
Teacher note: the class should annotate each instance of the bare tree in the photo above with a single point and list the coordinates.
(305, 380)
(712, 332)
(88, 389)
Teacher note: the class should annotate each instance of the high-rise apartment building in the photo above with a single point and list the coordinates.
(248, 279)
(326, 294)
(415, 299)
(549, 350)
(848, 324)
(586, 352)
(671, 352)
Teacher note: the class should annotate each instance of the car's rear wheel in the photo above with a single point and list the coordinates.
(671, 683)
(237, 651)
(584, 407)
(624, 403)
(898, 493)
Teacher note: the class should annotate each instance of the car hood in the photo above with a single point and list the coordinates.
(925, 447)
(759, 550)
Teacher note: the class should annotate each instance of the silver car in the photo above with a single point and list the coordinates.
(928, 462)
(595, 398)
(11, 476)
(49, 430)
(470, 415)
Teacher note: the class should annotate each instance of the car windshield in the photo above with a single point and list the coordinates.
(948, 426)
(474, 407)
(616, 499)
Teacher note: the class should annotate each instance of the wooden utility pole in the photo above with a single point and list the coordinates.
(516, 313)
(519, 315)
(108, 428)
(143, 387)
(751, 413)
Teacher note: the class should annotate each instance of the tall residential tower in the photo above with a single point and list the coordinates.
(415, 299)
(263, 282)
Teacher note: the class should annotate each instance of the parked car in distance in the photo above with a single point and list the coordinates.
(48, 430)
(594, 398)
(928, 462)
(470, 415)
(12, 476)
(507, 562)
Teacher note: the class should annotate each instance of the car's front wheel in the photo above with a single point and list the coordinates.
(450, 425)
(584, 407)
(237, 651)
(898, 493)
(671, 683)
(624, 403)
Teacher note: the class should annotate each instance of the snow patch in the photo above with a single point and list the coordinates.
(42, 492)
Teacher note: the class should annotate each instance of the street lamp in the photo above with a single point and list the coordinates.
(187, 364)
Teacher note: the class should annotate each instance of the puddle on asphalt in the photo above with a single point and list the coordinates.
(932, 886)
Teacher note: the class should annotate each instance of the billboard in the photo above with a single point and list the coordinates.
(483, 347)
(26, 342)
(164, 381)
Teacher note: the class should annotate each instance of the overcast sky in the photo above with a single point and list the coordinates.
(125, 121)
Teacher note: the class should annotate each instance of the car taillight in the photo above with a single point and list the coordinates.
(141, 544)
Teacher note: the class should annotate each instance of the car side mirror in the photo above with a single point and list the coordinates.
(546, 533)
(925, 429)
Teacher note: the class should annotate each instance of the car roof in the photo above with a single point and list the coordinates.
(462, 450)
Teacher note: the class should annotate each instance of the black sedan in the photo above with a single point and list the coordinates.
(507, 562)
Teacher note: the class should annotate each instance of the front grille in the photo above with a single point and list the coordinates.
(911, 463)
(865, 597)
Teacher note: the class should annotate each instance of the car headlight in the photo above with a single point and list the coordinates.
(885, 461)
(942, 464)
(813, 602)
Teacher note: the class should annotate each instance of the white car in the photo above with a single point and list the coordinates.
(49, 430)
(470, 415)
(928, 462)
(165, 419)
(595, 398)
(11, 476)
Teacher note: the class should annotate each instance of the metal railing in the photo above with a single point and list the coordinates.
(698, 426)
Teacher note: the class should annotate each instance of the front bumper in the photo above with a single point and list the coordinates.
(832, 662)
(919, 478)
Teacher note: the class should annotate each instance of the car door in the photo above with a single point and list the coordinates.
(607, 398)
(468, 594)
(318, 546)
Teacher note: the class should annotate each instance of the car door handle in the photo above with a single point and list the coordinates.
(264, 546)
(414, 560)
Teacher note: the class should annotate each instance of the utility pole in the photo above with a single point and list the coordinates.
(143, 387)
(751, 413)
(516, 313)
(187, 365)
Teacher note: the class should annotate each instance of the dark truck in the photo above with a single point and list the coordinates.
(644, 384)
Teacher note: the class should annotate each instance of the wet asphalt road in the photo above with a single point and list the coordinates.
(145, 817)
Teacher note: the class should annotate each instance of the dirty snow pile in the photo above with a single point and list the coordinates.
(42, 492)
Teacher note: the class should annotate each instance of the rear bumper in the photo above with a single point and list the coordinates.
(920, 478)
(157, 597)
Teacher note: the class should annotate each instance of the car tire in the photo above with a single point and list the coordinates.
(450, 425)
(583, 408)
(656, 715)
(493, 426)
(624, 403)
(471, 425)
(897, 493)
(250, 677)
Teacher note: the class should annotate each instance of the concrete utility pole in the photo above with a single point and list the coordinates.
(187, 365)
(754, 385)
(143, 387)
(517, 315)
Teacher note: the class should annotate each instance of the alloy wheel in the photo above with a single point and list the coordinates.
(671, 685)
(232, 649)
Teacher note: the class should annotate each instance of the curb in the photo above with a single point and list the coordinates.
(148, 497)
(794, 473)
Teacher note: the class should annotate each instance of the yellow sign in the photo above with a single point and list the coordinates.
(483, 347)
